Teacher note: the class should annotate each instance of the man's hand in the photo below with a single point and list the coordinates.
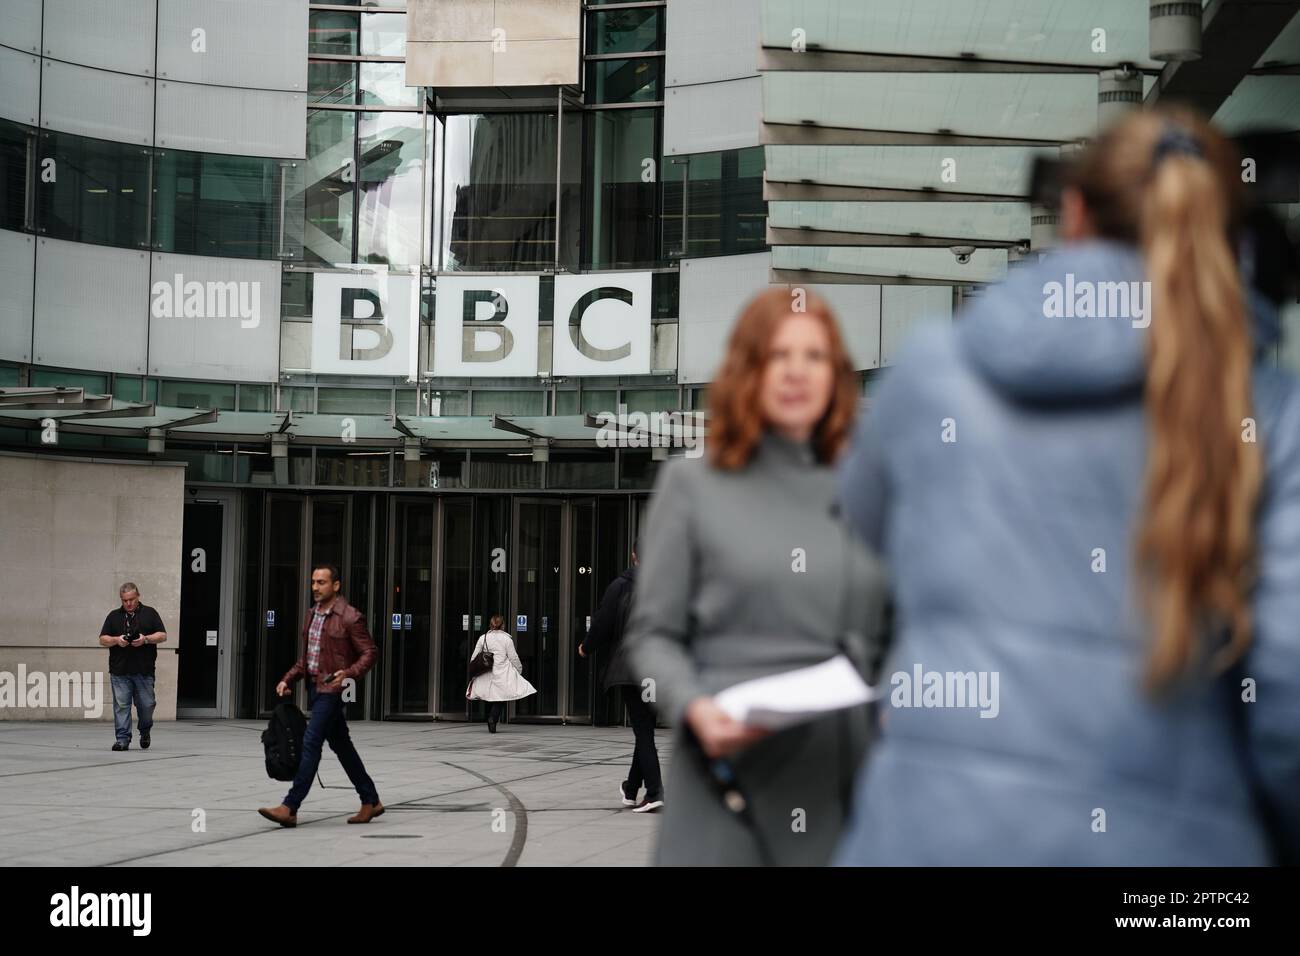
(331, 678)
(122, 641)
(282, 689)
(139, 641)
(582, 650)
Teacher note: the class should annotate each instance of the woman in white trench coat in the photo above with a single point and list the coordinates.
(505, 681)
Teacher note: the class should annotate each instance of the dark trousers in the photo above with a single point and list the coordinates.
(496, 710)
(328, 724)
(645, 758)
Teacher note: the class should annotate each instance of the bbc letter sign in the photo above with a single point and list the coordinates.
(602, 324)
(362, 324)
(486, 326)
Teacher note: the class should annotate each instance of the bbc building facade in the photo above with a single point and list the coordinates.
(397, 285)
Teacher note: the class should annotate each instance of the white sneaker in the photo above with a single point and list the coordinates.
(622, 795)
(648, 806)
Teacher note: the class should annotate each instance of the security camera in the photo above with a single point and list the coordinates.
(963, 253)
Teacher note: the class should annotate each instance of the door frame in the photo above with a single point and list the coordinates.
(231, 523)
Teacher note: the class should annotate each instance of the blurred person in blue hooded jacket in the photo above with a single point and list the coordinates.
(1092, 514)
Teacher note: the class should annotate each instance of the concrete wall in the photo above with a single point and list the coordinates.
(474, 43)
(71, 532)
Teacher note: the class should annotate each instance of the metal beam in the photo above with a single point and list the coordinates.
(812, 134)
(778, 236)
(1234, 35)
(782, 59)
(775, 190)
(814, 276)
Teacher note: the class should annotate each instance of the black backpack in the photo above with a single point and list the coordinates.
(283, 741)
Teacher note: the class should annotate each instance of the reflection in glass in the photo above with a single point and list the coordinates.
(383, 34)
(489, 469)
(332, 32)
(331, 81)
(580, 469)
(721, 196)
(413, 596)
(497, 208)
(456, 633)
(219, 395)
(509, 402)
(625, 31)
(14, 140)
(384, 84)
(391, 170)
(621, 214)
(538, 585)
(368, 468)
(328, 187)
(101, 194)
(624, 81)
(215, 205)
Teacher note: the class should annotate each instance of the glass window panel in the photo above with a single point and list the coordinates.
(988, 170)
(367, 468)
(295, 293)
(255, 398)
(9, 375)
(333, 32)
(329, 188)
(665, 288)
(383, 34)
(1046, 31)
(298, 399)
(621, 211)
(436, 403)
(637, 469)
(46, 377)
(128, 388)
(566, 402)
(331, 81)
(503, 470)
(356, 401)
(580, 469)
(214, 205)
(1004, 222)
(390, 188)
(508, 402)
(435, 469)
(625, 81)
(719, 198)
(218, 395)
(384, 84)
(625, 31)
(101, 194)
(595, 401)
(497, 208)
(203, 462)
(650, 399)
(14, 140)
(700, 398)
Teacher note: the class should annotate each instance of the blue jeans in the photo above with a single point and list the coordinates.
(327, 723)
(125, 688)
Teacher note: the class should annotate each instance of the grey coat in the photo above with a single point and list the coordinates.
(993, 544)
(746, 574)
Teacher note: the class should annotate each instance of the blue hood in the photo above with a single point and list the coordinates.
(1019, 336)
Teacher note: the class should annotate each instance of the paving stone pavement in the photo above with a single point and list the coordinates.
(530, 795)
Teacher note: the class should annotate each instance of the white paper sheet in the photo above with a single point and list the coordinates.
(793, 697)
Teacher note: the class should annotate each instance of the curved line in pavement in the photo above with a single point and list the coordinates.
(516, 807)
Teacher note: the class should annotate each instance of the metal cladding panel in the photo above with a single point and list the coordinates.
(92, 307)
(713, 116)
(711, 40)
(20, 27)
(906, 307)
(713, 291)
(17, 268)
(214, 318)
(20, 86)
(237, 122)
(256, 44)
(110, 36)
(97, 103)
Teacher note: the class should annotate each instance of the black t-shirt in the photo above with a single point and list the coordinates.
(132, 660)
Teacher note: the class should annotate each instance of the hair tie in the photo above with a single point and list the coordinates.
(1175, 141)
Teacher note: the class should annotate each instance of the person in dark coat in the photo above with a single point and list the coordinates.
(608, 625)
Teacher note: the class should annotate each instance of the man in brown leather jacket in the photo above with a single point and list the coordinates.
(335, 647)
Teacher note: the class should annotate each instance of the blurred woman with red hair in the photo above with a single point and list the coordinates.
(746, 571)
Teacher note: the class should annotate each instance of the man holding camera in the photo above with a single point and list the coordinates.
(132, 634)
(336, 647)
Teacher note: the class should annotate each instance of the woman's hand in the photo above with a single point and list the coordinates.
(720, 734)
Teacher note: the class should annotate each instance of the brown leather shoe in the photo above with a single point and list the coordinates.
(368, 812)
(281, 815)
